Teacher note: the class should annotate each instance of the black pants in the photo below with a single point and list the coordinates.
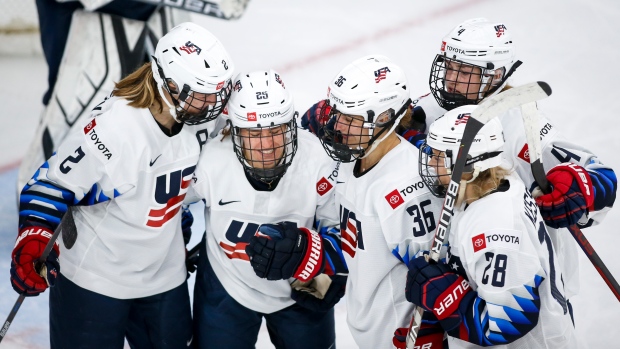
(221, 322)
(80, 318)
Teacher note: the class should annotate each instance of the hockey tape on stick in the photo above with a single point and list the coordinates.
(46, 252)
(531, 122)
(69, 231)
(224, 9)
(486, 110)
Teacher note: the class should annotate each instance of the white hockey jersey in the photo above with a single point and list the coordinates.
(555, 150)
(234, 210)
(387, 217)
(128, 180)
(500, 245)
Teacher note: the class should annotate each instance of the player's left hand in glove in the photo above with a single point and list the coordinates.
(333, 294)
(315, 117)
(29, 246)
(430, 335)
(281, 251)
(437, 289)
(572, 196)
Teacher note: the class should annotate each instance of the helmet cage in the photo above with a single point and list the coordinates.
(429, 173)
(184, 106)
(333, 140)
(438, 81)
(266, 170)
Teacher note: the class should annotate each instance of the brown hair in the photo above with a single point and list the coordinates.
(487, 181)
(139, 88)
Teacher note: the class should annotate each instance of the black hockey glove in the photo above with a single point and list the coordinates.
(332, 296)
(281, 251)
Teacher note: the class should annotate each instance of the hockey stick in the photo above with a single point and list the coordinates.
(487, 110)
(66, 225)
(224, 9)
(531, 121)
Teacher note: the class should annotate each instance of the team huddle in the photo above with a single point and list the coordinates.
(345, 205)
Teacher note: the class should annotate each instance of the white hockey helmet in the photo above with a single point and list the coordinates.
(369, 87)
(444, 135)
(195, 63)
(261, 105)
(475, 43)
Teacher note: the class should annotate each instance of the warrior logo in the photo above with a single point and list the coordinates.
(191, 48)
(170, 190)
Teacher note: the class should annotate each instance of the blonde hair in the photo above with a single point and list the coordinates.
(139, 88)
(487, 181)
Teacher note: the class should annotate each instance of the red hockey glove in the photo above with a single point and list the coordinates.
(571, 197)
(28, 249)
(281, 251)
(315, 117)
(430, 336)
(437, 289)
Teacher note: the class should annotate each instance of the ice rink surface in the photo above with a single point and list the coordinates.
(571, 44)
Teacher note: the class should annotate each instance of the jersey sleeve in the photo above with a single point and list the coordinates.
(199, 188)
(556, 150)
(78, 173)
(327, 220)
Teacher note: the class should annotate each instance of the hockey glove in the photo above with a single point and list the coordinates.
(310, 301)
(315, 117)
(437, 289)
(571, 197)
(25, 269)
(281, 251)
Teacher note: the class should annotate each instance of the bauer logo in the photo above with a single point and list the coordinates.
(323, 186)
(478, 242)
(524, 154)
(279, 80)
(219, 85)
(90, 125)
(394, 199)
(443, 46)
(237, 86)
(252, 116)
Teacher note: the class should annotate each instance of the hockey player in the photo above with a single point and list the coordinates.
(88, 46)
(502, 281)
(475, 61)
(125, 173)
(266, 172)
(387, 216)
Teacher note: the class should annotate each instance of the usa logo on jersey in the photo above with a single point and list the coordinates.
(170, 190)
